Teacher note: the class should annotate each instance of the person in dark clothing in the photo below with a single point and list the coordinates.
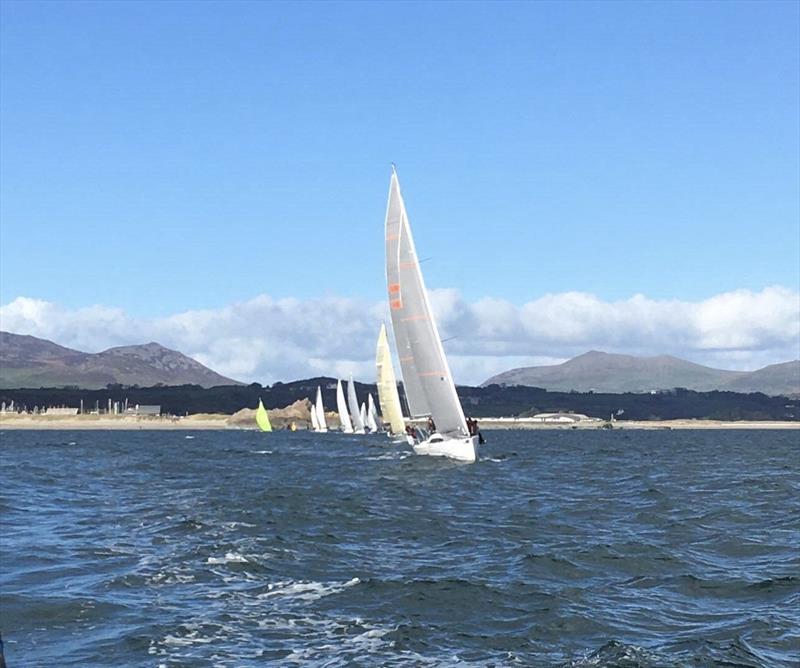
(431, 425)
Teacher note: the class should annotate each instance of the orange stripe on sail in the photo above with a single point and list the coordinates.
(396, 304)
(433, 373)
(394, 287)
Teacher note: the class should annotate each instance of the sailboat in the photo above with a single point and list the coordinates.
(262, 418)
(362, 415)
(314, 422)
(429, 386)
(372, 415)
(355, 412)
(388, 397)
(341, 407)
(322, 425)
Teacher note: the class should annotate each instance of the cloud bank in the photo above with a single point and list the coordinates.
(266, 339)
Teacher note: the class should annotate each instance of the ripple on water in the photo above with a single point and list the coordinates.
(557, 549)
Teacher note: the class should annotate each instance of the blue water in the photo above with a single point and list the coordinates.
(558, 548)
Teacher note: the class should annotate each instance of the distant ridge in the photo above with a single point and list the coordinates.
(27, 361)
(607, 372)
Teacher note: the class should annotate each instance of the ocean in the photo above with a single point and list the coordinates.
(557, 548)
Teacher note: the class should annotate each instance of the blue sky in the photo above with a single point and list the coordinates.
(167, 156)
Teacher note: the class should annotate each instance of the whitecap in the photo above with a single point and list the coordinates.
(261, 452)
(229, 558)
(306, 591)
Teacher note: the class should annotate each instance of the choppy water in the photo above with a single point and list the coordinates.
(247, 549)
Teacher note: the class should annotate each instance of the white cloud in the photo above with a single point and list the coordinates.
(266, 339)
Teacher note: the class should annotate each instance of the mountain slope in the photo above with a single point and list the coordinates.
(606, 372)
(27, 361)
(774, 379)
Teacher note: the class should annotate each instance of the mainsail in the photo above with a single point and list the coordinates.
(341, 407)
(262, 418)
(372, 415)
(355, 412)
(321, 423)
(428, 383)
(388, 396)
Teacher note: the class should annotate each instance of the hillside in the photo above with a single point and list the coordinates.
(606, 372)
(27, 361)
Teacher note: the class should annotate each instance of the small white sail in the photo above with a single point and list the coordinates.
(341, 407)
(321, 423)
(352, 403)
(388, 397)
(362, 414)
(372, 415)
(314, 421)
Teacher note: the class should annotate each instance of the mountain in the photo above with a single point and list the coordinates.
(773, 379)
(27, 361)
(607, 372)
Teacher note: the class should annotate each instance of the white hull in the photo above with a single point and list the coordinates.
(462, 449)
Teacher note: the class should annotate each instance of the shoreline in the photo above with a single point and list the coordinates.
(217, 422)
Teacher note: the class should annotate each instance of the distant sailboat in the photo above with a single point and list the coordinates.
(314, 422)
(362, 414)
(426, 375)
(322, 425)
(262, 418)
(372, 415)
(355, 412)
(388, 397)
(341, 407)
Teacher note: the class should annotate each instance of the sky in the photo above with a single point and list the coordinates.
(213, 176)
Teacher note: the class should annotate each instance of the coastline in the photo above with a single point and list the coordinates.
(218, 421)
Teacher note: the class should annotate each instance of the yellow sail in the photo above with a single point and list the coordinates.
(262, 418)
(388, 397)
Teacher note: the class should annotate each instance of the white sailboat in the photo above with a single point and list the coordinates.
(341, 407)
(426, 375)
(372, 415)
(388, 396)
(355, 412)
(322, 425)
(314, 421)
(362, 414)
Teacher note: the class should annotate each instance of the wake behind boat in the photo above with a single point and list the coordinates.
(429, 386)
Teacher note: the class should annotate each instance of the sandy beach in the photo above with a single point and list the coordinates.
(220, 421)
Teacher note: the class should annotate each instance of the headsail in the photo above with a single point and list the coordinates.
(262, 418)
(341, 407)
(352, 403)
(426, 374)
(314, 421)
(322, 424)
(388, 396)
